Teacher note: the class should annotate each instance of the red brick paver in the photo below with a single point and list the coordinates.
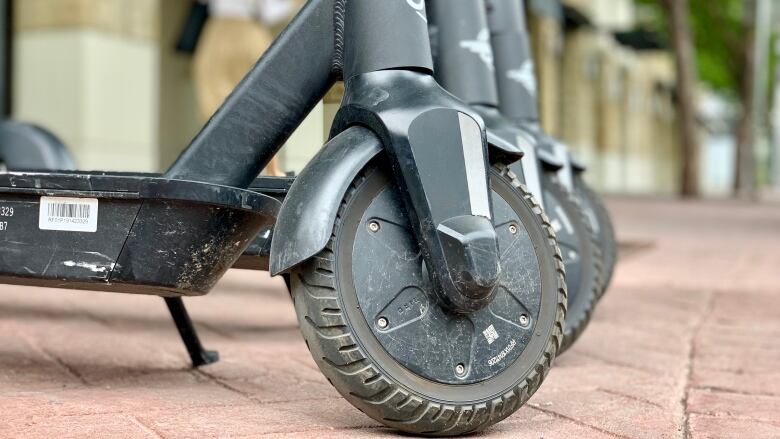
(685, 344)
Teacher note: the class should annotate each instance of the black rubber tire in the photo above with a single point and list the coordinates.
(606, 230)
(350, 356)
(583, 297)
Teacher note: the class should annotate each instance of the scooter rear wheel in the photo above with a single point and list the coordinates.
(380, 336)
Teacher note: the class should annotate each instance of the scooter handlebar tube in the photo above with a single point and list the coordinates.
(385, 35)
(464, 61)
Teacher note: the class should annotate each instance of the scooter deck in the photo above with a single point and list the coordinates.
(132, 233)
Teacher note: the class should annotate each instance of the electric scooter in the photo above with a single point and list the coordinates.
(427, 282)
(464, 66)
(517, 91)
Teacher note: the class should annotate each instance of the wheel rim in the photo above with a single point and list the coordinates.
(403, 313)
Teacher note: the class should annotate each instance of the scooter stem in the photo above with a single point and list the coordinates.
(464, 66)
(515, 74)
(436, 145)
(516, 77)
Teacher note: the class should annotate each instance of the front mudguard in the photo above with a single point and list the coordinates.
(308, 214)
(577, 165)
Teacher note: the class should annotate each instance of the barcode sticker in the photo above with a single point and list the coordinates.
(68, 214)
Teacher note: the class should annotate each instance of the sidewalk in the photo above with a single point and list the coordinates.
(685, 343)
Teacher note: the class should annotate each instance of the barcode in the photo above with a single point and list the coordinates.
(64, 210)
(68, 214)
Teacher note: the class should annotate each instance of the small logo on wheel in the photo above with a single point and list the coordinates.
(490, 334)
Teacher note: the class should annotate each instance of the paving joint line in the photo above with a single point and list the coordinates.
(70, 370)
(319, 429)
(631, 397)
(220, 382)
(219, 332)
(738, 418)
(683, 415)
(135, 420)
(716, 389)
(576, 421)
(614, 363)
(121, 411)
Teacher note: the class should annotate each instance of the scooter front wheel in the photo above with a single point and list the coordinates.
(378, 333)
(601, 222)
(581, 257)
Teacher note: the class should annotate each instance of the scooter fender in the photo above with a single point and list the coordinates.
(577, 165)
(307, 216)
(549, 158)
(499, 148)
(564, 172)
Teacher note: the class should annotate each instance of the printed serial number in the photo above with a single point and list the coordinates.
(6, 211)
(68, 221)
(3, 226)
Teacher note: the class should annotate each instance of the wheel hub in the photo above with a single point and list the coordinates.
(410, 321)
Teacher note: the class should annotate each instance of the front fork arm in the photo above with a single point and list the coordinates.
(437, 149)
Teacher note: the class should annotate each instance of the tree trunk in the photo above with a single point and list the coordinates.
(745, 161)
(776, 112)
(685, 57)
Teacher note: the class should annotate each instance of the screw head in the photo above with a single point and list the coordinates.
(382, 323)
(525, 320)
(513, 229)
(460, 369)
(373, 226)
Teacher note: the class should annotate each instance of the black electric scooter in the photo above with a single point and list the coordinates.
(516, 78)
(427, 282)
(464, 66)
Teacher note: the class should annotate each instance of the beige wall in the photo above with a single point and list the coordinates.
(130, 18)
(547, 46)
(579, 89)
(104, 76)
(614, 67)
(86, 69)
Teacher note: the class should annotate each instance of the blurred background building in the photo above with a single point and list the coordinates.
(104, 75)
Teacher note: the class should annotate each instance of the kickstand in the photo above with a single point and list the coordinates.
(198, 355)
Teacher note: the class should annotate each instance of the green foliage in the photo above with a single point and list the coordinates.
(718, 33)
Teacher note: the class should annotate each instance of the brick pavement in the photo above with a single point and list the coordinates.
(685, 344)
